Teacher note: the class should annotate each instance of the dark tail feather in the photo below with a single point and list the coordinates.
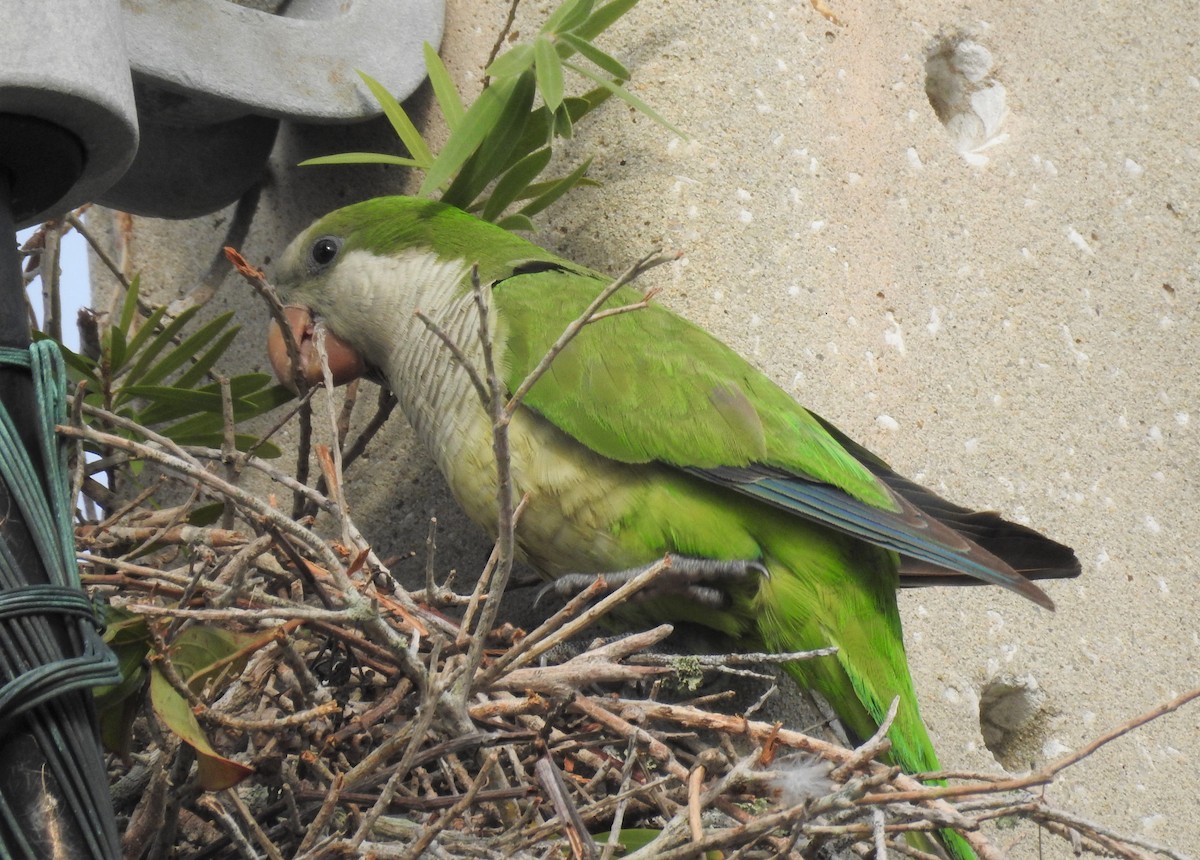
(1028, 552)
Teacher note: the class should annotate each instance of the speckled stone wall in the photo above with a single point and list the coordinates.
(998, 296)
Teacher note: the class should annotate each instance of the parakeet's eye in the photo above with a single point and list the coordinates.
(324, 250)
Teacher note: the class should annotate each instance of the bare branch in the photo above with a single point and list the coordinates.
(655, 258)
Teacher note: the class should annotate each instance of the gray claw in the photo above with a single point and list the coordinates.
(684, 577)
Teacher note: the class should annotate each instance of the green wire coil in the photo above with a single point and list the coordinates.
(39, 666)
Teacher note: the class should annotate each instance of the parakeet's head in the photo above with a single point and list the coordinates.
(359, 267)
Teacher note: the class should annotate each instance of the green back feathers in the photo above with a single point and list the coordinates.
(650, 386)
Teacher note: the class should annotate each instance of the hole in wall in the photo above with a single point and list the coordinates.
(1013, 717)
(966, 96)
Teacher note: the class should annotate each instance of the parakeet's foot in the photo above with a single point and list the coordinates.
(692, 579)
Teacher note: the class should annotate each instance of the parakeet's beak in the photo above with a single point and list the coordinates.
(345, 362)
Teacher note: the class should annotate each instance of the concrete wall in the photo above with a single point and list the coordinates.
(1018, 334)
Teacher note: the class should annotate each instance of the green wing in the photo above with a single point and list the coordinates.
(649, 386)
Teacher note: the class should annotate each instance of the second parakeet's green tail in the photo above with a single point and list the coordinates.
(648, 436)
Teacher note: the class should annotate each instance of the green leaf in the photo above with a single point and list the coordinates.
(595, 55)
(204, 654)
(156, 346)
(511, 63)
(556, 190)
(215, 438)
(515, 181)
(81, 364)
(538, 131)
(114, 344)
(116, 717)
(591, 100)
(549, 72)
(543, 126)
(603, 18)
(203, 427)
(563, 127)
(516, 222)
(205, 515)
(187, 348)
(362, 158)
(204, 363)
(567, 16)
(118, 706)
(405, 130)
(444, 90)
(537, 189)
(168, 402)
(625, 96)
(268, 398)
(494, 152)
(630, 838)
(146, 330)
(130, 305)
(479, 119)
(215, 772)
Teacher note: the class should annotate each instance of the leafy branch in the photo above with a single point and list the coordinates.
(499, 146)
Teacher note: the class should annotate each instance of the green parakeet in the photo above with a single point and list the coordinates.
(648, 436)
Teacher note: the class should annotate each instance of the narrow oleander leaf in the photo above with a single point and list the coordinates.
(563, 127)
(549, 72)
(444, 90)
(538, 132)
(114, 342)
(603, 18)
(161, 340)
(556, 190)
(511, 63)
(515, 181)
(606, 62)
(266, 399)
(480, 118)
(574, 108)
(516, 222)
(188, 347)
(537, 189)
(243, 385)
(569, 15)
(165, 403)
(146, 331)
(362, 158)
(205, 362)
(494, 152)
(581, 106)
(625, 96)
(204, 405)
(130, 305)
(405, 130)
(171, 402)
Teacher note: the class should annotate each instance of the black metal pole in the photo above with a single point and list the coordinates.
(40, 817)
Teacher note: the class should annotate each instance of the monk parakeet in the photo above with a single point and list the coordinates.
(648, 436)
